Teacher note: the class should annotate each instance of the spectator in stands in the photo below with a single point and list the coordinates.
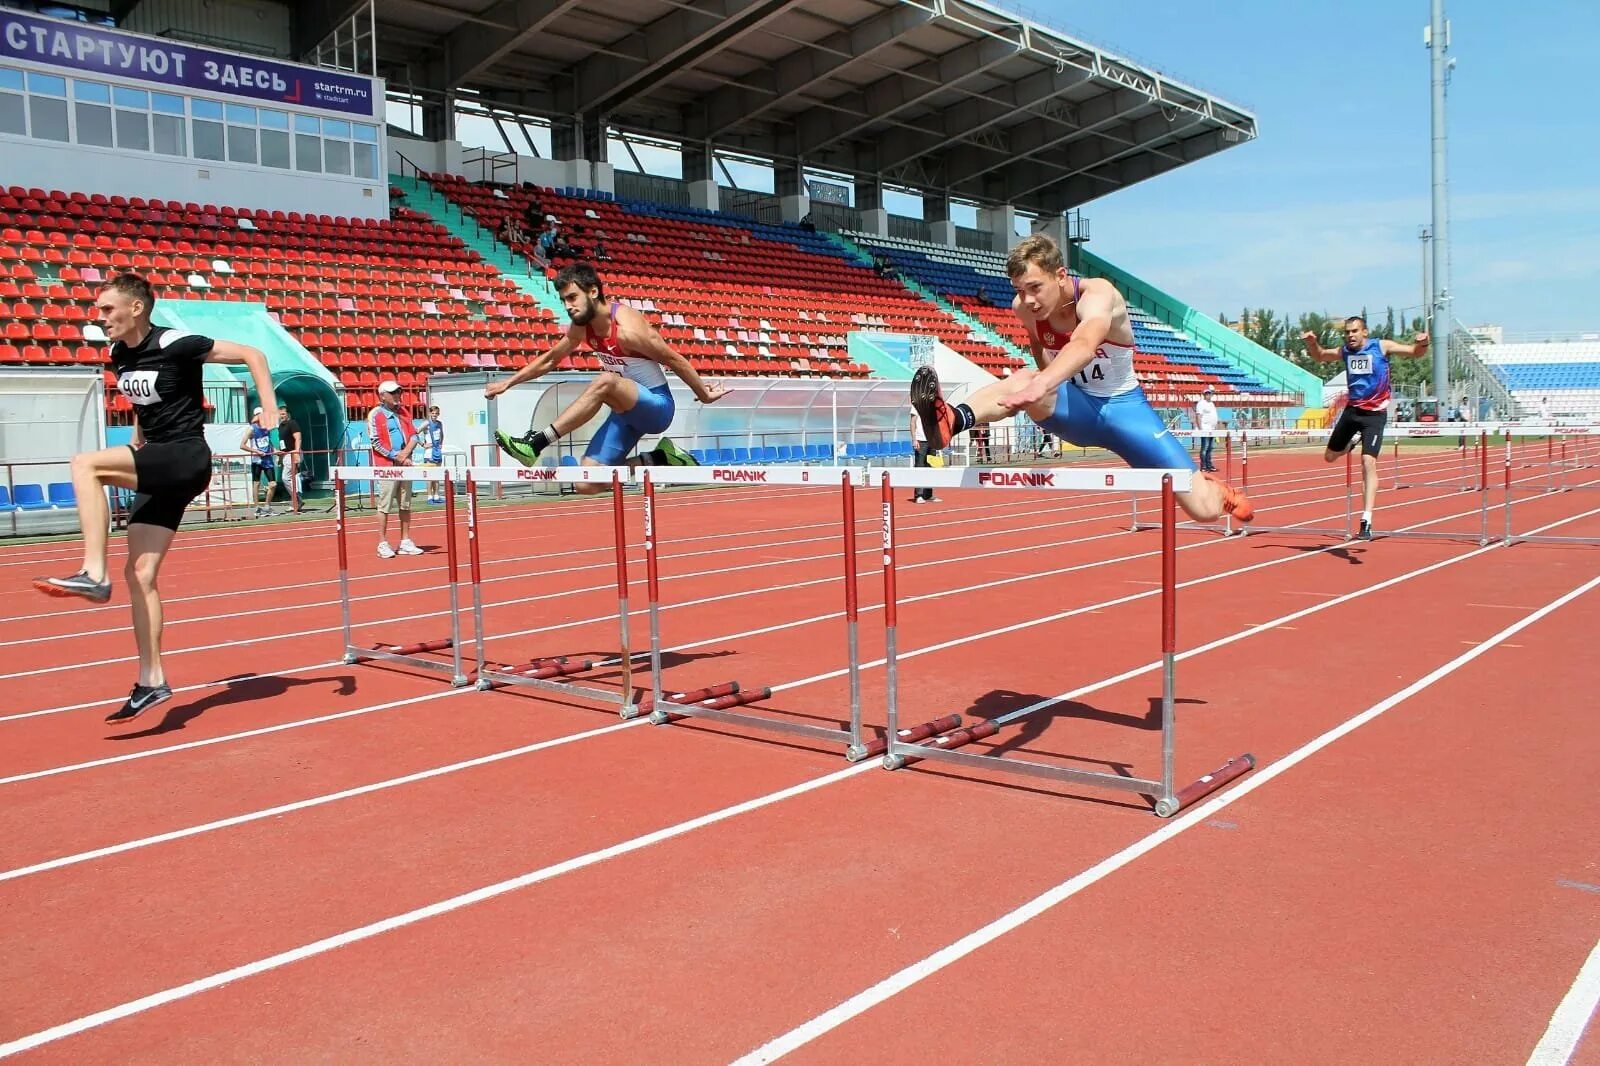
(533, 214)
(290, 443)
(807, 224)
(430, 442)
(393, 440)
(161, 372)
(633, 384)
(1366, 368)
(919, 457)
(257, 444)
(511, 231)
(1085, 389)
(600, 255)
(1205, 424)
(1545, 411)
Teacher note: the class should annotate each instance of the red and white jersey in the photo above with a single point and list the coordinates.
(1109, 373)
(646, 373)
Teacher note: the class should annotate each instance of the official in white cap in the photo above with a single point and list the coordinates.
(393, 438)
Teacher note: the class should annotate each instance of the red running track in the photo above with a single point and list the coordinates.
(709, 942)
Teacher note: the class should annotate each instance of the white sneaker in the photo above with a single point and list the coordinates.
(408, 548)
(384, 551)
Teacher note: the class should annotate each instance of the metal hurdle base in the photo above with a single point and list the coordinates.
(1165, 804)
(411, 655)
(546, 674)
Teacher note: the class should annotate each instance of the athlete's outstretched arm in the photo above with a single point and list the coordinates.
(244, 355)
(1094, 324)
(1315, 349)
(1418, 346)
(537, 366)
(638, 335)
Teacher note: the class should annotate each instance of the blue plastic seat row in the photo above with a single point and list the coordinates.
(34, 498)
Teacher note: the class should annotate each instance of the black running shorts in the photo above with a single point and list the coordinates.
(1368, 424)
(170, 475)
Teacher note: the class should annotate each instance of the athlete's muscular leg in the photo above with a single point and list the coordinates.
(1369, 482)
(606, 390)
(92, 472)
(985, 403)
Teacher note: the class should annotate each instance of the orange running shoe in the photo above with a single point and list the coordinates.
(1234, 502)
(938, 420)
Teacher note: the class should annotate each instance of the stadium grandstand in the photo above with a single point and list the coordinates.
(796, 190)
(1557, 377)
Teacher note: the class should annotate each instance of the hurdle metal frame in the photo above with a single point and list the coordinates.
(716, 702)
(1222, 527)
(1352, 483)
(1466, 432)
(1168, 799)
(544, 673)
(409, 654)
(1554, 485)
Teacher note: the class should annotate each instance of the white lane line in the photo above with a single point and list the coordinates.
(924, 968)
(1571, 1018)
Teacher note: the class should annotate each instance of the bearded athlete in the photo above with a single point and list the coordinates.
(1085, 390)
(632, 383)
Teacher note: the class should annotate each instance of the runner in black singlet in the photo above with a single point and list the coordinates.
(168, 464)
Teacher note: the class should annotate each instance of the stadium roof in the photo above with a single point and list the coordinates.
(931, 94)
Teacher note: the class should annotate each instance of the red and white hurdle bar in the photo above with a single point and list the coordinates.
(717, 702)
(1560, 440)
(411, 653)
(1352, 482)
(901, 750)
(559, 673)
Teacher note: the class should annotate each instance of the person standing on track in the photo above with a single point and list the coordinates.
(290, 445)
(632, 384)
(1366, 368)
(393, 439)
(160, 371)
(1085, 390)
(1205, 424)
(430, 440)
(257, 444)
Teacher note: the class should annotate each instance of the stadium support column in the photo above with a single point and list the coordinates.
(869, 202)
(579, 144)
(1000, 222)
(936, 212)
(1437, 39)
(698, 163)
(793, 199)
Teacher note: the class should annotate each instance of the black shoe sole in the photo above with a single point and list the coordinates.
(128, 714)
(925, 400)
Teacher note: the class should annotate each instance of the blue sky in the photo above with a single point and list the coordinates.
(1322, 211)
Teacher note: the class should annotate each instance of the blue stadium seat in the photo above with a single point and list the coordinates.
(6, 506)
(31, 498)
(61, 495)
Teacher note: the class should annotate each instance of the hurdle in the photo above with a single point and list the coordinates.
(553, 673)
(1222, 527)
(410, 653)
(1470, 469)
(716, 702)
(1167, 798)
(1352, 485)
(1557, 443)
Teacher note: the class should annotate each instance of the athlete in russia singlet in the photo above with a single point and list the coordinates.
(1109, 373)
(645, 373)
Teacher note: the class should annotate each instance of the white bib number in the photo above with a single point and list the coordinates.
(139, 386)
(1092, 372)
(1361, 364)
